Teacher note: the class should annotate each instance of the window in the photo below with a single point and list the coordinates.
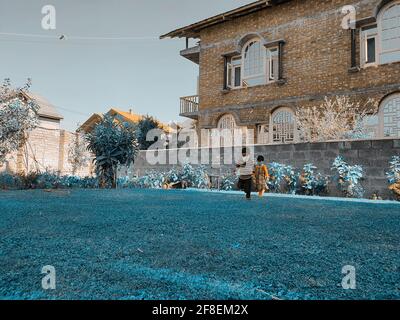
(262, 134)
(273, 64)
(389, 116)
(231, 134)
(371, 126)
(256, 65)
(234, 70)
(369, 37)
(283, 126)
(380, 43)
(226, 129)
(389, 27)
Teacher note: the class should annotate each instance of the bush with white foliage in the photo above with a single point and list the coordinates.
(18, 116)
(283, 178)
(313, 183)
(349, 178)
(393, 175)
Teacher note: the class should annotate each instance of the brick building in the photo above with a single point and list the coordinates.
(47, 145)
(260, 62)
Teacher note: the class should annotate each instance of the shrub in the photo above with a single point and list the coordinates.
(349, 178)
(114, 144)
(313, 183)
(193, 177)
(46, 180)
(151, 180)
(393, 175)
(283, 178)
(228, 182)
(9, 181)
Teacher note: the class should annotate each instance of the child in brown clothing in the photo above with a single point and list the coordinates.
(261, 176)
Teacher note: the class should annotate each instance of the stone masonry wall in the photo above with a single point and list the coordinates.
(373, 155)
(46, 149)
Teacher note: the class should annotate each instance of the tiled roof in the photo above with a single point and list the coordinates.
(46, 109)
(193, 30)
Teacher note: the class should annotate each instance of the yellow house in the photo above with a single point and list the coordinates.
(123, 116)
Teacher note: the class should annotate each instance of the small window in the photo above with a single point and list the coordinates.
(369, 48)
(273, 64)
(234, 73)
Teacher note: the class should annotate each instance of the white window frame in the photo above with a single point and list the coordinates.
(266, 67)
(270, 77)
(232, 68)
(379, 38)
(271, 126)
(364, 37)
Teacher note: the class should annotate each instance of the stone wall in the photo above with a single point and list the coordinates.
(46, 149)
(373, 155)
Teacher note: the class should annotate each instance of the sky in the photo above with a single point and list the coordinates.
(82, 76)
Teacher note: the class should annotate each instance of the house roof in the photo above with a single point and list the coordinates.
(127, 116)
(193, 30)
(46, 109)
(89, 124)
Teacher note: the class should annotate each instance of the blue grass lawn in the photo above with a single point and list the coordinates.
(154, 244)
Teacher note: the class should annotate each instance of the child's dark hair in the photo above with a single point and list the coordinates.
(260, 159)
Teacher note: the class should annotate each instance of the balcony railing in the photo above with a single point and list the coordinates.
(189, 104)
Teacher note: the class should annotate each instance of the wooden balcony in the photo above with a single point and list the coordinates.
(192, 54)
(190, 107)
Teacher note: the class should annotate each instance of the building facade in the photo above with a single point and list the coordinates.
(262, 61)
(47, 146)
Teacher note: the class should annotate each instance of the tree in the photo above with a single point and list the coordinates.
(114, 144)
(335, 119)
(145, 125)
(18, 116)
(78, 155)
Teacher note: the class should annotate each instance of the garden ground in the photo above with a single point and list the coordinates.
(154, 244)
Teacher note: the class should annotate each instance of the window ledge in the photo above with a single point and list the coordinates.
(372, 65)
(225, 91)
(278, 82)
(354, 70)
(281, 82)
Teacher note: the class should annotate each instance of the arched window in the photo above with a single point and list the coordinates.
(230, 133)
(257, 62)
(254, 55)
(227, 122)
(226, 130)
(389, 116)
(389, 32)
(283, 126)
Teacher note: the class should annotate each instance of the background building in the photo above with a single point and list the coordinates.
(262, 61)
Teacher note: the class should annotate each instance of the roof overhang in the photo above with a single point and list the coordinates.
(193, 30)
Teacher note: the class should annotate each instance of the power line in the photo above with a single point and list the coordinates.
(73, 111)
(66, 37)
